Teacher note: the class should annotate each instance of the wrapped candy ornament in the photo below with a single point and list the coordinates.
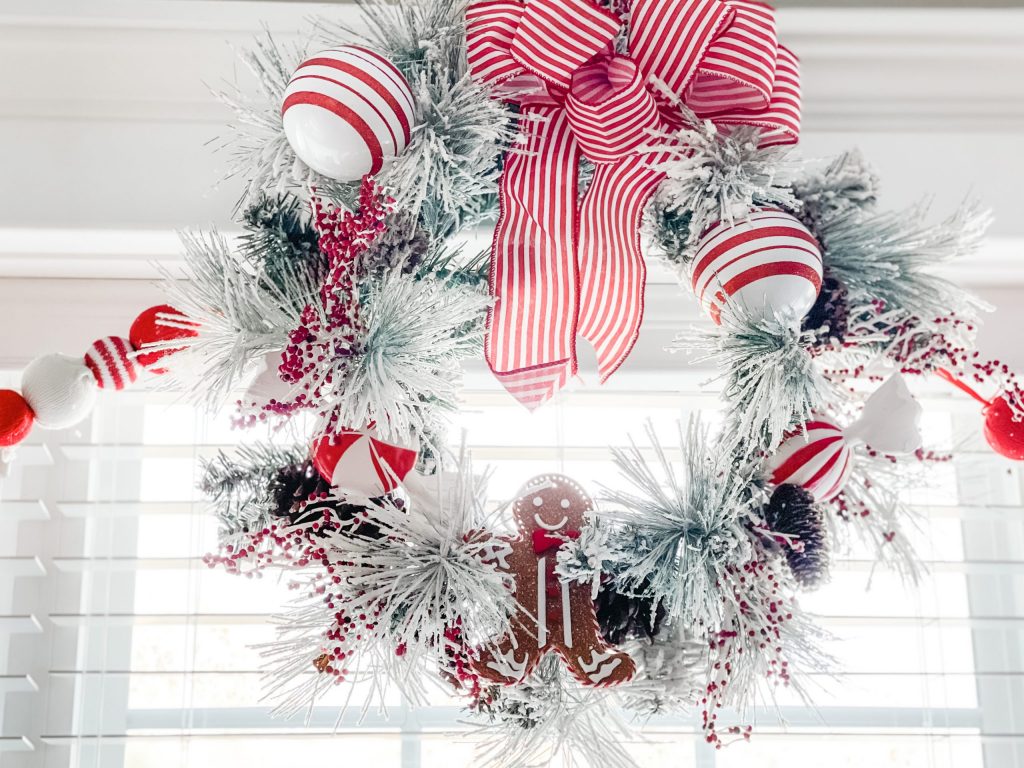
(347, 111)
(358, 462)
(818, 456)
(768, 265)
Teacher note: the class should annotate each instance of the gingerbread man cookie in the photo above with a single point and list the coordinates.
(551, 615)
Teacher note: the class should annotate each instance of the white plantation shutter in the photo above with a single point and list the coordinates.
(118, 647)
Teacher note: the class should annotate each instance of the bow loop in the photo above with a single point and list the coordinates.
(610, 109)
(669, 39)
(490, 29)
(555, 38)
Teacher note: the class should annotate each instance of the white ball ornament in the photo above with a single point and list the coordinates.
(61, 390)
(347, 112)
(766, 266)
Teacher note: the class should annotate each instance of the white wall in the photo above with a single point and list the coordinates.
(106, 115)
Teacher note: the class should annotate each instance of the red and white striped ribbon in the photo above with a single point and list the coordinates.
(563, 266)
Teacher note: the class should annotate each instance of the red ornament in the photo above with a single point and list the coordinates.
(1002, 429)
(16, 418)
(359, 462)
(1003, 432)
(147, 330)
(112, 364)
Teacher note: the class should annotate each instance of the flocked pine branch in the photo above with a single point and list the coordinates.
(682, 527)
(769, 378)
(239, 485)
(405, 369)
(258, 148)
(426, 582)
(550, 717)
(447, 175)
(714, 176)
(240, 311)
(279, 239)
(887, 256)
(847, 183)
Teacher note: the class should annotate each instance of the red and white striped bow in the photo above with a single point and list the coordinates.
(562, 266)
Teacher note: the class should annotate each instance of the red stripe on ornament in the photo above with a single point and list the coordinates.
(356, 94)
(111, 363)
(366, 78)
(837, 486)
(825, 468)
(800, 458)
(345, 113)
(775, 269)
(755, 233)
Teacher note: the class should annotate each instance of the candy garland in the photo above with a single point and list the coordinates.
(59, 391)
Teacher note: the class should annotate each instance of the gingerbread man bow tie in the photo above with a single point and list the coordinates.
(544, 541)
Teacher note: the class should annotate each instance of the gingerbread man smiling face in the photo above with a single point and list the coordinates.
(551, 615)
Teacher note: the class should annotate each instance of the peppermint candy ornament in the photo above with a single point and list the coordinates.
(358, 462)
(347, 111)
(112, 363)
(766, 266)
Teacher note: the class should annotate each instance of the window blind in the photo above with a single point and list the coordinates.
(118, 647)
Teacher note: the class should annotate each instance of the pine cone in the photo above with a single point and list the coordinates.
(399, 247)
(295, 484)
(830, 315)
(622, 617)
(793, 512)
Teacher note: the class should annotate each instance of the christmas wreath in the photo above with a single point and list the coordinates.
(589, 136)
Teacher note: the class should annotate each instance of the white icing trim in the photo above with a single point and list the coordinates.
(566, 616)
(508, 666)
(547, 526)
(596, 669)
(542, 599)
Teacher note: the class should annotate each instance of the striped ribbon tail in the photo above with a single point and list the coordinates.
(613, 116)
(612, 270)
(531, 328)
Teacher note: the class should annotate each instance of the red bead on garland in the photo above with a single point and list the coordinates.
(16, 418)
(147, 330)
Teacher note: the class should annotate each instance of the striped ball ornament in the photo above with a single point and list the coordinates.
(766, 266)
(347, 111)
(816, 457)
(111, 362)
